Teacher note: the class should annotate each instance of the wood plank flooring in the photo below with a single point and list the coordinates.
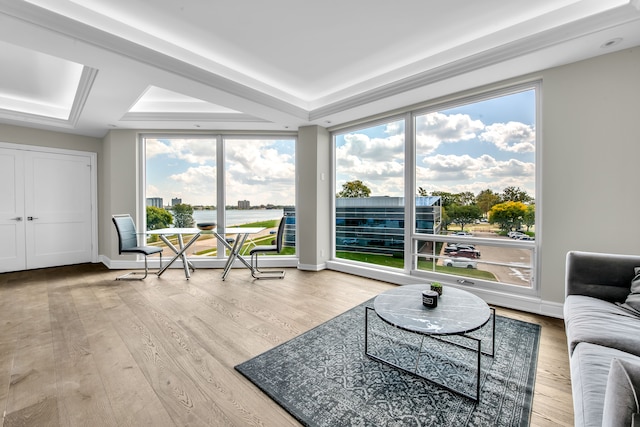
(78, 348)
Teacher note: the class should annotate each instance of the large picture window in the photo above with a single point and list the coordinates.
(470, 208)
(252, 183)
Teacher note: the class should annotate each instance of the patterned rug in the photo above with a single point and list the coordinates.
(324, 378)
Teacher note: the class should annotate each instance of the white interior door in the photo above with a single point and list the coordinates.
(46, 208)
(58, 206)
(12, 220)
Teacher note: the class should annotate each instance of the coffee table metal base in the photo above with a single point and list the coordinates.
(476, 348)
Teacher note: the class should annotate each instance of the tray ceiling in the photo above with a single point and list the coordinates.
(86, 66)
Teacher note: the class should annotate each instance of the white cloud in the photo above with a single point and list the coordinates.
(512, 136)
(512, 168)
(260, 171)
(193, 150)
(377, 162)
(465, 173)
(155, 148)
(195, 186)
(435, 128)
(450, 167)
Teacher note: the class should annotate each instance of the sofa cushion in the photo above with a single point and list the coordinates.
(633, 299)
(596, 321)
(621, 396)
(590, 364)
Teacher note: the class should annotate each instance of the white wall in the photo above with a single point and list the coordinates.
(120, 177)
(590, 162)
(313, 172)
(44, 138)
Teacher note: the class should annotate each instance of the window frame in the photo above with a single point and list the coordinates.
(219, 137)
(411, 237)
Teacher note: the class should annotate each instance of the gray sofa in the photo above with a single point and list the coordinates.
(603, 335)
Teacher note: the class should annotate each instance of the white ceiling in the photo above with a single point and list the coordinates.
(87, 66)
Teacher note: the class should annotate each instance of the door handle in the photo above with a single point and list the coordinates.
(18, 218)
(31, 218)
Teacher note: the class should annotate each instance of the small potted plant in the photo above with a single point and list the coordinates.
(437, 286)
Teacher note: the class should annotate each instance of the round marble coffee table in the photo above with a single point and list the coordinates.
(458, 313)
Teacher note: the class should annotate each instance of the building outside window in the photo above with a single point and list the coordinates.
(376, 224)
(156, 202)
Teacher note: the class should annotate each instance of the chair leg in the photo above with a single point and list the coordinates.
(137, 275)
(266, 274)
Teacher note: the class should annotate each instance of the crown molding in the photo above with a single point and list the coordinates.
(191, 117)
(508, 51)
(87, 78)
(84, 88)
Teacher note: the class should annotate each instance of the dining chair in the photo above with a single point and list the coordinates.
(262, 249)
(128, 243)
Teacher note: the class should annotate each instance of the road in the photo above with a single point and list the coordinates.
(516, 257)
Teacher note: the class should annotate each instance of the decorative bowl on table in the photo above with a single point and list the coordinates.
(205, 226)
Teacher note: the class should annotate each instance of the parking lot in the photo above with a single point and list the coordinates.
(512, 273)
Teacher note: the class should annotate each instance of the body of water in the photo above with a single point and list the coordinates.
(238, 217)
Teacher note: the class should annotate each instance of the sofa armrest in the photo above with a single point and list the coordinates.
(600, 275)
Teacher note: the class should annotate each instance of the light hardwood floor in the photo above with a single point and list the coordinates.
(78, 348)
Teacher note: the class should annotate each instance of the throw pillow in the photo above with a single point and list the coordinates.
(621, 394)
(633, 299)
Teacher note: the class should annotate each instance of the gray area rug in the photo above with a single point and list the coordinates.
(324, 378)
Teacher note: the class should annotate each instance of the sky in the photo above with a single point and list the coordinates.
(260, 171)
(484, 145)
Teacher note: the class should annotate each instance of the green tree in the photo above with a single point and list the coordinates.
(486, 199)
(466, 198)
(446, 198)
(182, 215)
(463, 214)
(354, 189)
(158, 218)
(515, 194)
(529, 218)
(508, 214)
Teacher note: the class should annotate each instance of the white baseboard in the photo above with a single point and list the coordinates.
(312, 267)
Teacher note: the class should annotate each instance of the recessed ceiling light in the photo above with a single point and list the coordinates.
(111, 125)
(610, 43)
(197, 126)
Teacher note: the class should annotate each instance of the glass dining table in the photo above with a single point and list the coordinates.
(180, 251)
(235, 246)
(242, 234)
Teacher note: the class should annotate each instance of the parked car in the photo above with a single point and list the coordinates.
(464, 246)
(515, 234)
(450, 248)
(350, 241)
(475, 252)
(464, 253)
(460, 262)
(462, 250)
(525, 237)
(462, 233)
